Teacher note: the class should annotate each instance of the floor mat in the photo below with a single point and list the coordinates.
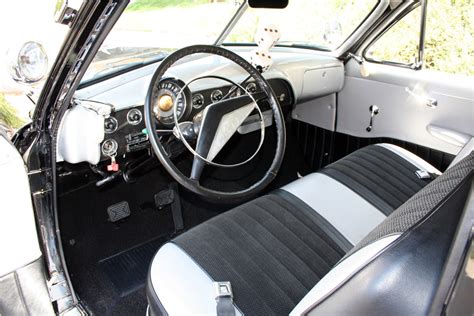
(128, 270)
(89, 237)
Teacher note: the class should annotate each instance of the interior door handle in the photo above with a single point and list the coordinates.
(373, 110)
(448, 135)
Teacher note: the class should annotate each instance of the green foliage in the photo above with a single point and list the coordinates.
(8, 114)
(148, 5)
(448, 43)
(400, 43)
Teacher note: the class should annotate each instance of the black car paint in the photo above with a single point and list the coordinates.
(88, 30)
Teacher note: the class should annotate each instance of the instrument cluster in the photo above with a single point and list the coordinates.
(124, 133)
(171, 92)
(125, 130)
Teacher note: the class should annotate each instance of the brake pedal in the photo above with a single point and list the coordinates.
(118, 211)
(171, 197)
(164, 198)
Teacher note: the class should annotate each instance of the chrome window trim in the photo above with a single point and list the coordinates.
(398, 14)
(233, 21)
(362, 29)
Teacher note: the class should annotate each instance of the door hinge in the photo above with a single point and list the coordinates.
(40, 181)
(58, 287)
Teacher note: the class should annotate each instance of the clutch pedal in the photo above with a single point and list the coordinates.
(118, 211)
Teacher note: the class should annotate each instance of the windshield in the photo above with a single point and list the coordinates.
(148, 30)
(322, 24)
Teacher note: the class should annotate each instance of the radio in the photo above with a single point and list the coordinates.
(136, 141)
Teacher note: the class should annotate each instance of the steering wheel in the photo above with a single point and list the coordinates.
(220, 120)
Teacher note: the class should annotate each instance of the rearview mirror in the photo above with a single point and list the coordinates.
(270, 4)
(64, 14)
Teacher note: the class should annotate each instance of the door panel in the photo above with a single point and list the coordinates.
(23, 289)
(18, 236)
(401, 95)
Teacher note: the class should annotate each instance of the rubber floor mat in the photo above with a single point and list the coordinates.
(128, 270)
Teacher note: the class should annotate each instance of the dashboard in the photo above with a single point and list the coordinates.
(298, 77)
(125, 131)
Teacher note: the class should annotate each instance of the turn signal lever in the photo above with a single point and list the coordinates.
(374, 110)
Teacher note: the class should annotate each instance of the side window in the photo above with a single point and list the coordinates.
(400, 43)
(450, 36)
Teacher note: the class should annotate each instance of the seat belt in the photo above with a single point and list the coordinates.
(224, 299)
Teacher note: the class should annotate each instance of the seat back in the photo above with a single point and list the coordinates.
(397, 268)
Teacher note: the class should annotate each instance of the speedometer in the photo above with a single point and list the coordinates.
(167, 96)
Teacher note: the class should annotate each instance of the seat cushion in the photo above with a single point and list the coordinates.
(356, 193)
(382, 174)
(272, 250)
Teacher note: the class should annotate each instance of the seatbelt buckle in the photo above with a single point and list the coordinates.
(223, 289)
(423, 174)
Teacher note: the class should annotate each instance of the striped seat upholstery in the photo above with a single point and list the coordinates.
(278, 250)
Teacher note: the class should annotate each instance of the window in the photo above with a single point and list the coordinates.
(400, 43)
(323, 24)
(148, 30)
(449, 38)
(449, 45)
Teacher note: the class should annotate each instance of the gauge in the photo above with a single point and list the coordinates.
(168, 95)
(109, 147)
(216, 95)
(134, 117)
(251, 87)
(110, 125)
(198, 101)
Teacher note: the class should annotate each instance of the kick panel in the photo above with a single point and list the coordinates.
(322, 147)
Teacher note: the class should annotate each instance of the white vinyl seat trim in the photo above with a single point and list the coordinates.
(349, 213)
(340, 273)
(182, 286)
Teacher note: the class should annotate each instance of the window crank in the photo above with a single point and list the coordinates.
(374, 110)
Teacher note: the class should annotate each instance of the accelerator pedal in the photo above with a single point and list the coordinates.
(118, 211)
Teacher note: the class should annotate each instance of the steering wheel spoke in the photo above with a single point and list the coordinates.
(197, 169)
(259, 96)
